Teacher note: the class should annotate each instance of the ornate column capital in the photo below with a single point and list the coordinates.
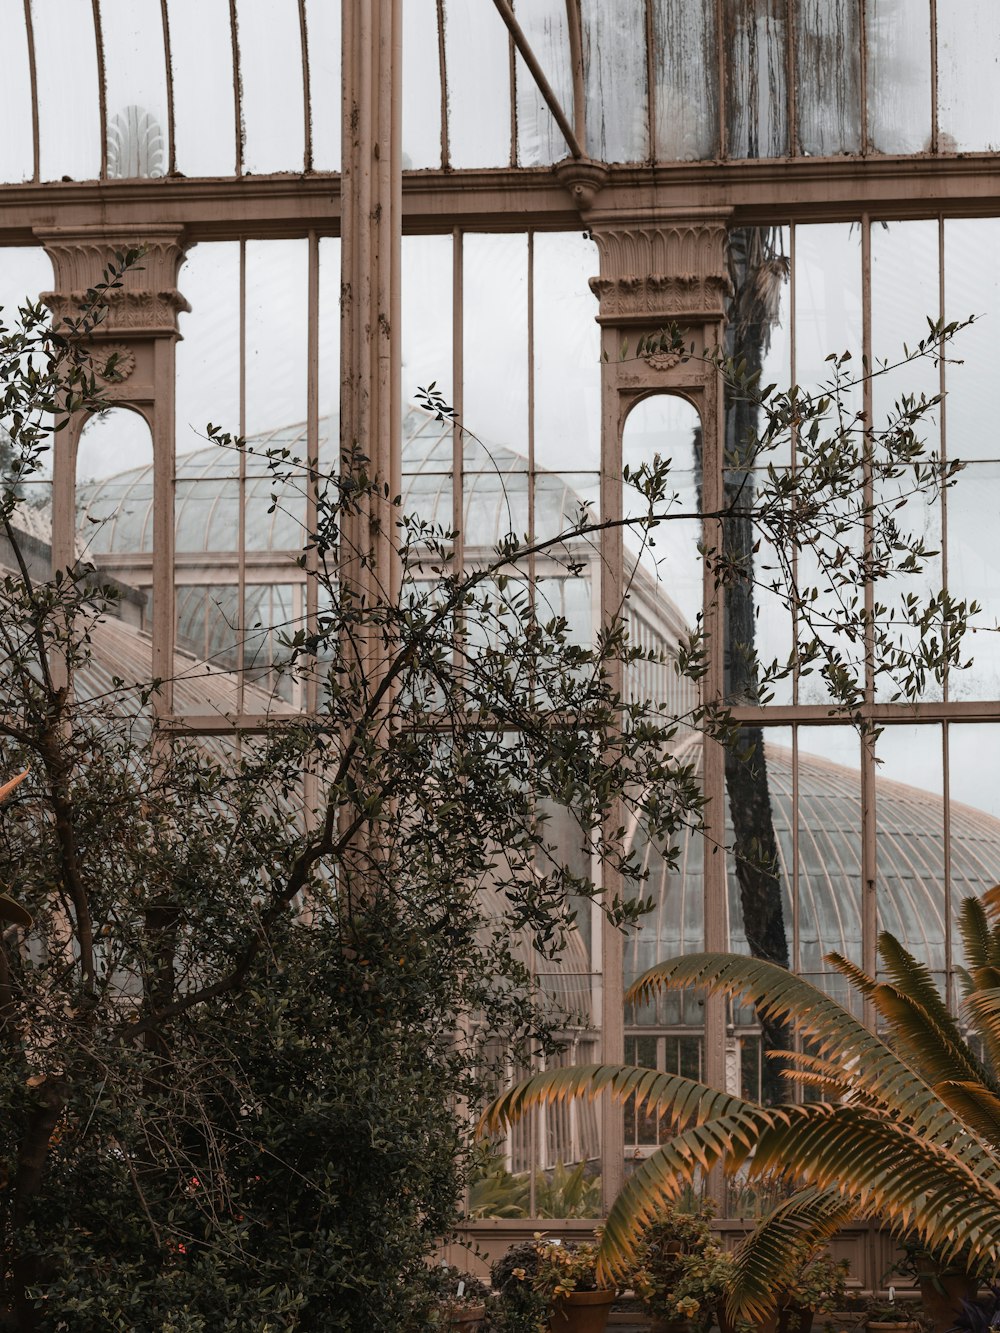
(148, 302)
(656, 271)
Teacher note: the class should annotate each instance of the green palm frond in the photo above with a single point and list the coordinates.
(670, 1095)
(767, 1260)
(977, 937)
(976, 1106)
(661, 1179)
(832, 1029)
(912, 979)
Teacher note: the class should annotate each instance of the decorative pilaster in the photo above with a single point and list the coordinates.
(133, 355)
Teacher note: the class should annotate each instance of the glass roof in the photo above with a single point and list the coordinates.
(210, 88)
(118, 510)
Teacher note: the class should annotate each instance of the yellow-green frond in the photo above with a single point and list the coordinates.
(976, 1106)
(974, 927)
(766, 1261)
(678, 1099)
(833, 1031)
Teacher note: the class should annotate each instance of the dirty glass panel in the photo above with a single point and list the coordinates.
(270, 46)
(899, 75)
(201, 58)
(421, 86)
(614, 71)
(539, 138)
(828, 77)
(972, 287)
(756, 78)
(66, 58)
(16, 149)
(323, 40)
(909, 816)
(974, 572)
(567, 349)
(968, 87)
(114, 508)
(477, 53)
(135, 71)
(428, 445)
(687, 82)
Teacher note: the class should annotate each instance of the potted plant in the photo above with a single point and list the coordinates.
(681, 1273)
(817, 1286)
(981, 1315)
(889, 1315)
(461, 1300)
(566, 1275)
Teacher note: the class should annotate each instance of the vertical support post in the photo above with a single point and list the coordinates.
(371, 193)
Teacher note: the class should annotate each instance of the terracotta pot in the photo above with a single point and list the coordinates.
(581, 1312)
(468, 1319)
(892, 1326)
(942, 1294)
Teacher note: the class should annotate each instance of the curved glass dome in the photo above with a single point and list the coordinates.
(118, 511)
(911, 892)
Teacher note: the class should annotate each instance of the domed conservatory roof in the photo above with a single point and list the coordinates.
(118, 510)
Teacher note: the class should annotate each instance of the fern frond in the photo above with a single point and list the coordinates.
(974, 927)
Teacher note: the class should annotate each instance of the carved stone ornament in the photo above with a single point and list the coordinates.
(662, 361)
(661, 272)
(146, 304)
(124, 363)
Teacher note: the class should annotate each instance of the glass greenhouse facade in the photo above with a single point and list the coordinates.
(515, 190)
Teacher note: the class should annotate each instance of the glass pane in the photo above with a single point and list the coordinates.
(208, 355)
(421, 86)
(827, 301)
(495, 305)
(974, 572)
(910, 840)
(135, 69)
(828, 77)
(756, 78)
(66, 58)
(686, 73)
(899, 75)
(968, 88)
(539, 139)
(201, 58)
(428, 445)
(567, 347)
(829, 815)
(114, 509)
(17, 161)
(329, 351)
(974, 777)
(477, 57)
(905, 294)
(270, 42)
(324, 36)
(614, 71)
(972, 287)
(276, 329)
(663, 569)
